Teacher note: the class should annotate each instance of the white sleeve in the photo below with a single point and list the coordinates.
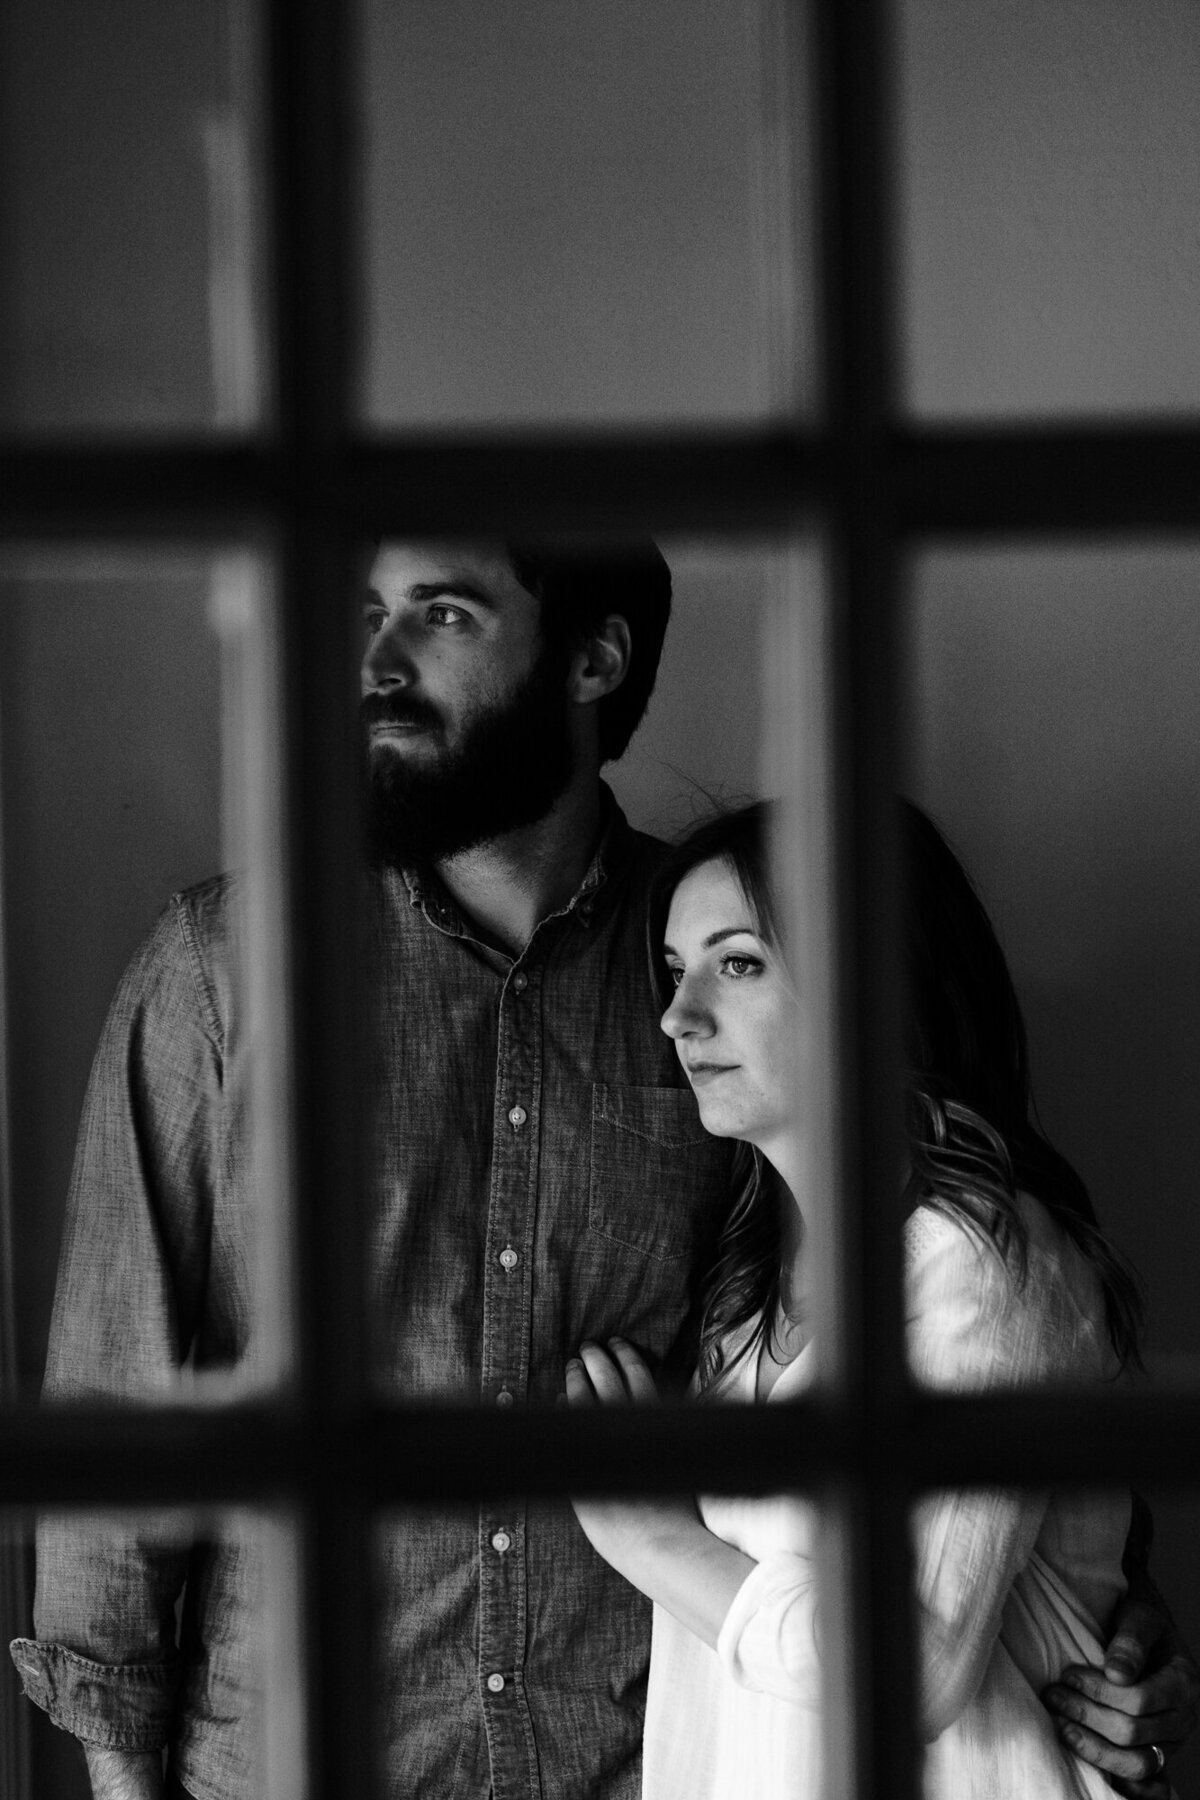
(768, 1641)
(971, 1326)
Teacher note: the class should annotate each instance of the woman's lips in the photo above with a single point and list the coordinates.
(700, 1074)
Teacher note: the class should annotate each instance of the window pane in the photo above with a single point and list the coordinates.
(583, 215)
(127, 218)
(1049, 178)
(513, 1219)
(1175, 1567)
(1056, 743)
(228, 1566)
(1012, 1588)
(559, 1688)
(125, 782)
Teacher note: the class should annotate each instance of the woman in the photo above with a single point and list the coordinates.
(1008, 1282)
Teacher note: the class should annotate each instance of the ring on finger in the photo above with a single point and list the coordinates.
(1160, 1759)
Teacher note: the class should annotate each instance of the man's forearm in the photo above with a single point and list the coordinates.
(124, 1774)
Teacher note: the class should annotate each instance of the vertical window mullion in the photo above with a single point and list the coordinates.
(313, 242)
(869, 1708)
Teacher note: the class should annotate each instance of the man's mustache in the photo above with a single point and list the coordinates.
(399, 709)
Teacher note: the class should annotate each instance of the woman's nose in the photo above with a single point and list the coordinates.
(686, 1017)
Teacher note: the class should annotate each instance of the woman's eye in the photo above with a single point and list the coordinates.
(742, 965)
(674, 975)
(374, 621)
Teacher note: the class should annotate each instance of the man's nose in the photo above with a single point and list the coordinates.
(387, 663)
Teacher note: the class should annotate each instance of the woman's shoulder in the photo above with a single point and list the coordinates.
(1025, 1317)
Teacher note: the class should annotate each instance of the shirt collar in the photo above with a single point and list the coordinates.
(613, 852)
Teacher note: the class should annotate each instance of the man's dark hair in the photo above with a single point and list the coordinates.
(579, 586)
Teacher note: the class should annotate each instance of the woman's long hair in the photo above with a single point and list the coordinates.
(973, 1143)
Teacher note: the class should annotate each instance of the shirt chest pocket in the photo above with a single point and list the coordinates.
(656, 1175)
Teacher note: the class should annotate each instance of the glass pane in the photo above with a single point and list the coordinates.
(507, 1639)
(526, 995)
(1174, 1564)
(584, 214)
(1056, 744)
(1049, 179)
(125, 782)
(1013, 1588)
(123, 1588)
(130, 246)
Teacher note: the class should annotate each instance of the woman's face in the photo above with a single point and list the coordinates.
(735, 1013)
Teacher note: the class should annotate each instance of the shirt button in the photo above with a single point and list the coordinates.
(501, 1542)
(496, 1684)
(517, 1117)
(504, 1398)
(508, 1257)
(520, 981)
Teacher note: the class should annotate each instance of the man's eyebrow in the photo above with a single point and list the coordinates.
(453, 590)
(717, 937)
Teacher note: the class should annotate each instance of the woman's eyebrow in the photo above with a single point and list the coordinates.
(716, 937)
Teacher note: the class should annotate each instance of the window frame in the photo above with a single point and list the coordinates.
(877, 487)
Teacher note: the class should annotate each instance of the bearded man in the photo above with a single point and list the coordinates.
(541, 1178)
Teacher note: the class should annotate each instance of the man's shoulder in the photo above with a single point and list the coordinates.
(212, 905)
(192, 939)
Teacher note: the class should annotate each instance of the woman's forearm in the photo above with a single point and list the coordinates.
(666, 1550)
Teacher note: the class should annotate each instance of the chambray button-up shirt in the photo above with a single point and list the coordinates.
(541, 1177)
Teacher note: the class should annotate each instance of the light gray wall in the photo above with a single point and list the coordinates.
(1050, 181)
(104, 217)
(564, 207)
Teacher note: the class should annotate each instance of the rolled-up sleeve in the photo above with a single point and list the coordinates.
(127, 1305)
(769, 1639)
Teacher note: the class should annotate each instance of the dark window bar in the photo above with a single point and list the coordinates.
(869, 1715)
(312, 174)
(408, 1456)
(948, 481)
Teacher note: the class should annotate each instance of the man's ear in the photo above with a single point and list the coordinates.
(602, 661)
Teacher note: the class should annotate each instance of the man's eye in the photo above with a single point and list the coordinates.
(443, 616)
(374, 619)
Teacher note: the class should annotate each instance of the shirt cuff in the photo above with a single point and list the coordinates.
(768, 1639)
(119, 1706)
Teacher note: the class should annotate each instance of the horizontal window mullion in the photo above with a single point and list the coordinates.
(74, 1456)
(963, 481)
(924, 483)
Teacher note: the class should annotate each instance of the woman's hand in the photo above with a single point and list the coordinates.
(614, 1376)
(609, 1377)
(662, 1546)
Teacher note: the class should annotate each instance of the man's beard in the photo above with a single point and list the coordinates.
(512, 764)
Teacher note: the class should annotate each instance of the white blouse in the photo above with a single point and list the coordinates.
(1011, 1586)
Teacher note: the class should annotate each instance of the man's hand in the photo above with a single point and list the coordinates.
(124, 1774)
(1147, 1693)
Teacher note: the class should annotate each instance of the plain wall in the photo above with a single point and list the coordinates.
(1047, 175)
